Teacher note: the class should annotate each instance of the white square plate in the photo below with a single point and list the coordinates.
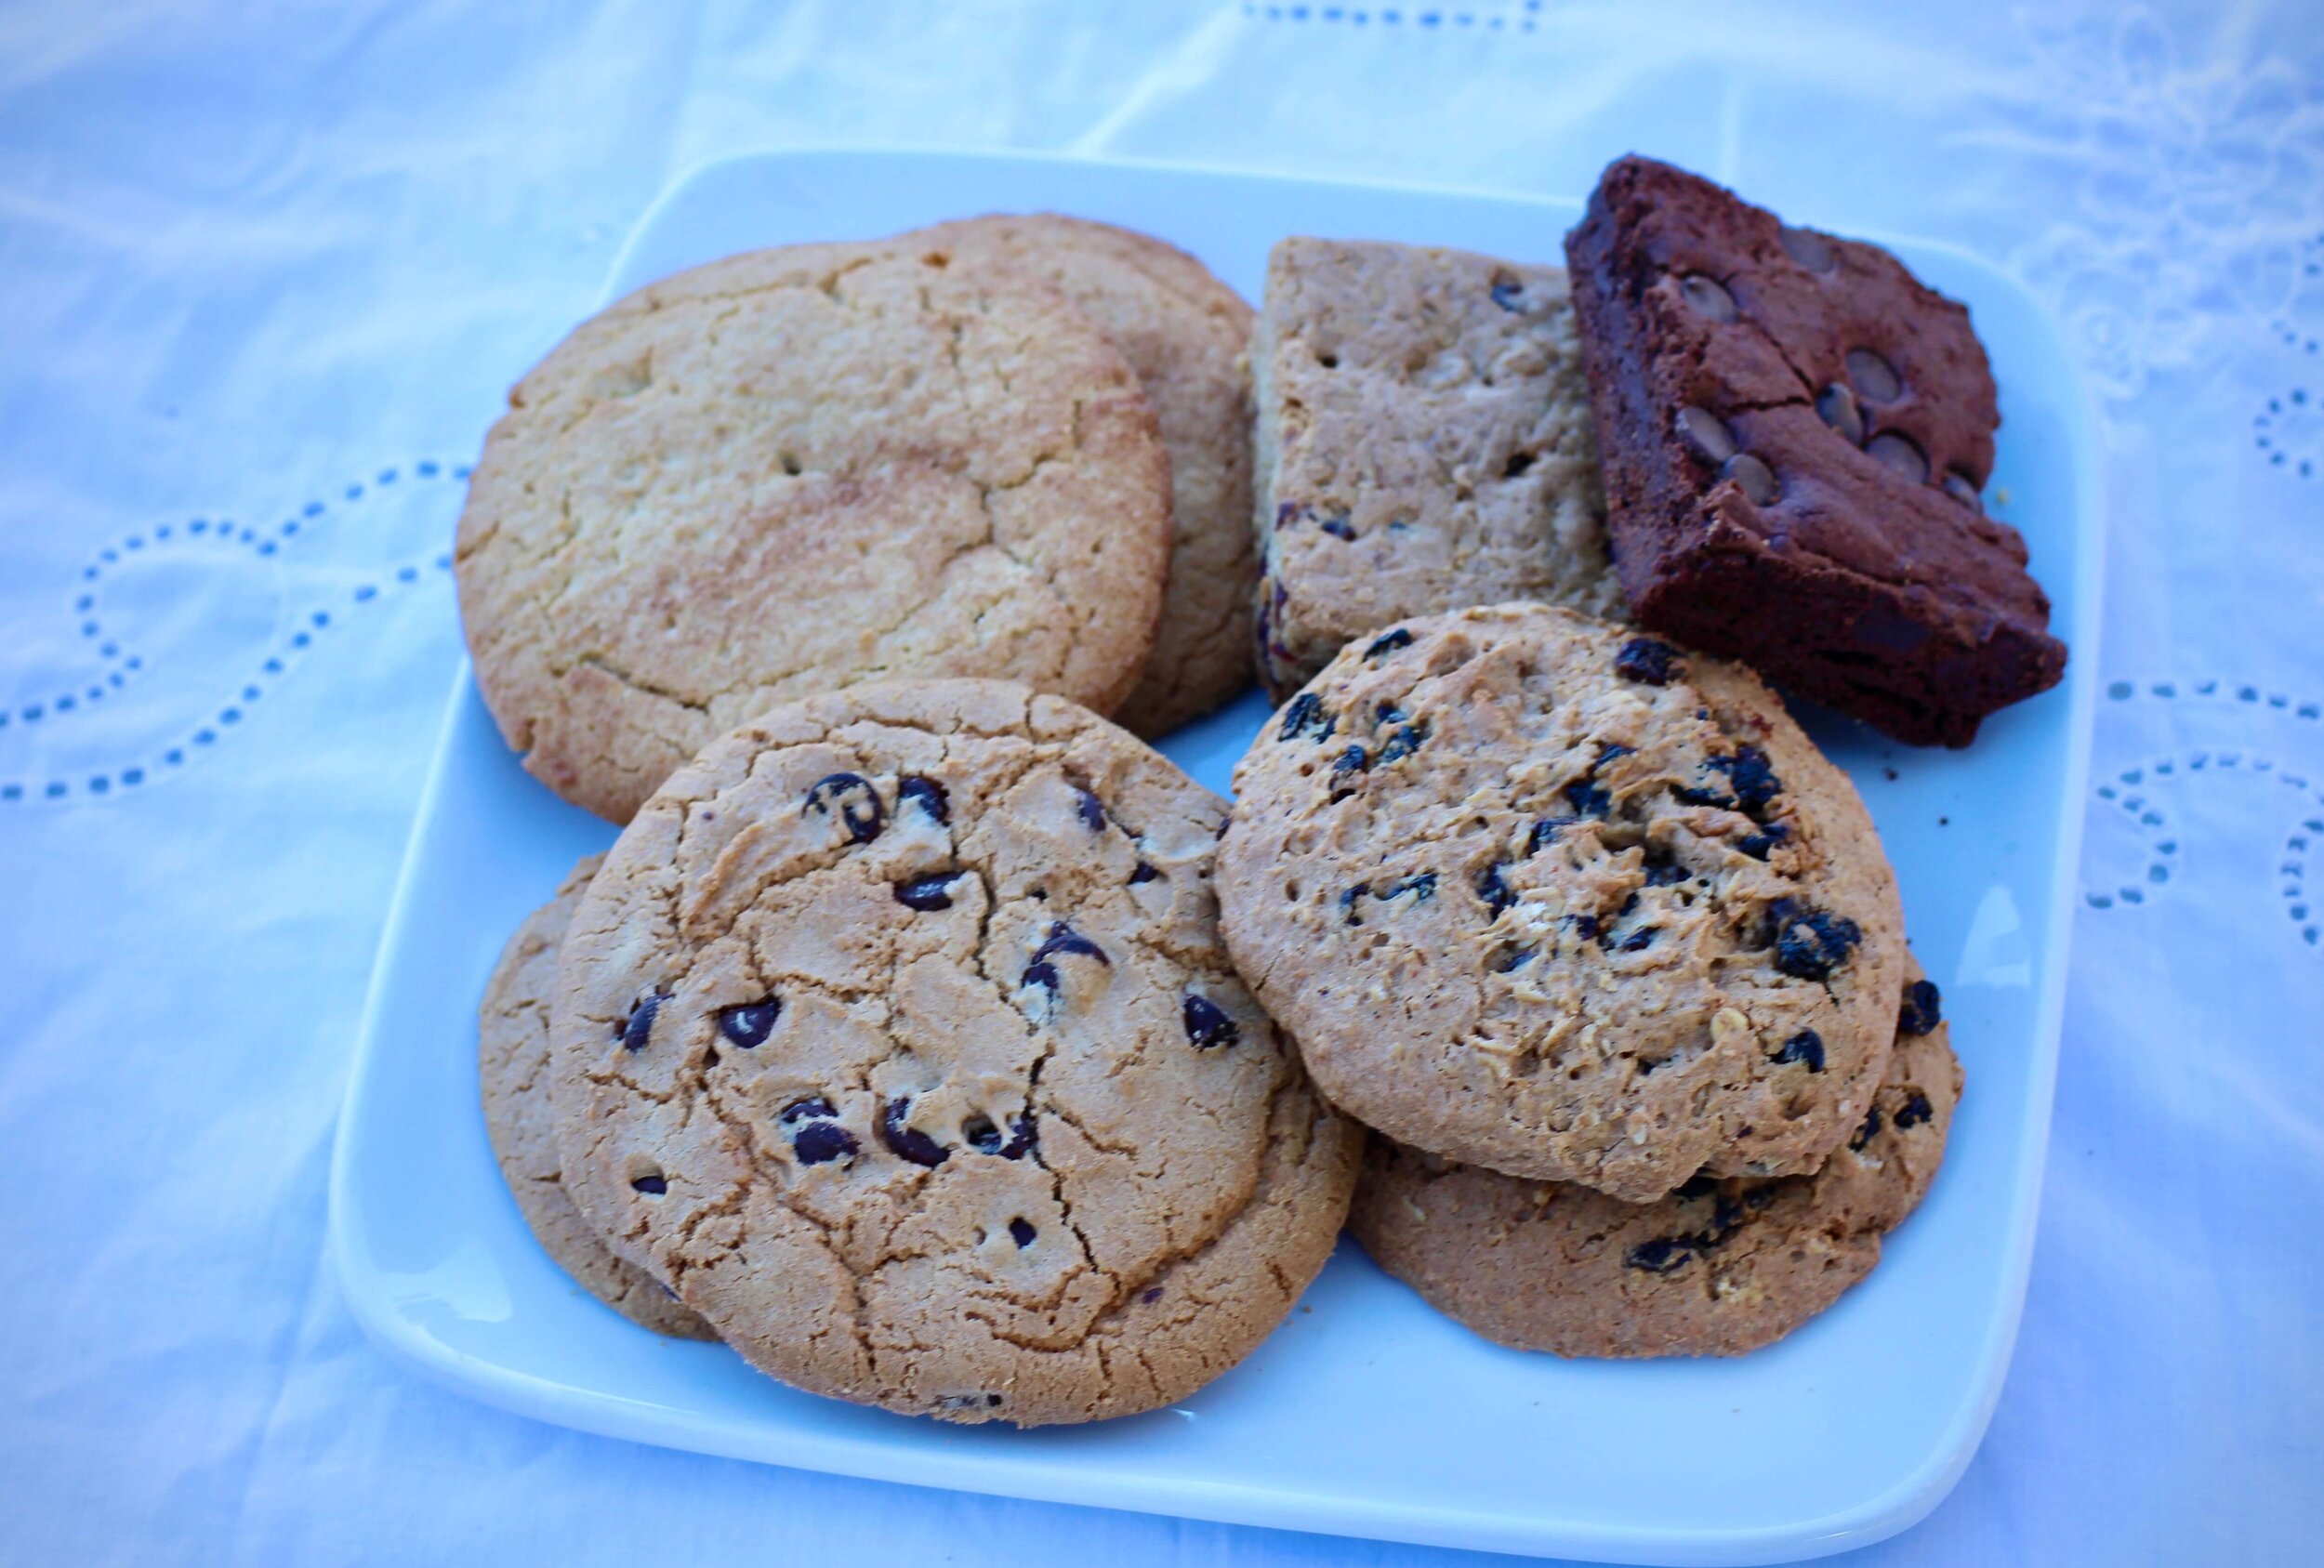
(1366, 1413)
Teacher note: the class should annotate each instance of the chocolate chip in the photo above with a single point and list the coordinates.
(1639, 940)
(1516, 466)
(750, 1025)
(927, 892)
(1705, 434)
(979, 1133)
(1869, 1131)
(1661, 1256)
(1388, 713)
(1958, 485)
(1062, 939)
(1924, 1009)
(1142, 871)
(1585, 926)
(1306, 714)
(1662, 871)
(655, 1184)
(1755, 479)
(1207, 1024)
(1810, 943)
(857, 801)
(1348, 896)
(1901, 455)
(638, 1030)
(1511, 959)
(1874, 378)
(1707, 295)
(1807, 1045)
(1509, 294)
(1545, 832)
(1913, 1111)
(1837, 407)
(1589, 798)
(1421, 885)
(1402, 743)
(1339, 527)
(820, 1143)
(1041, 974)
(1807, 248)
(814, 1107)
(1090, 809)
(1702, 1184)
(1020, 1232)
(1152, 1295)
(1388, 643)
(1645, 659)
(1759, 845)
(918, 789)
(1356, 760)
(907, 1141)
(1493, 890)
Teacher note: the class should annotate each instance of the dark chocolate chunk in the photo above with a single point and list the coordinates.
(927, 892)
(907, 1140)
(1545, 832)
(1922, 1010)
(815, 1107)
(1207, 1026)
(1421, 885)
(856, 801)
(1388, 642)
(918, 789)
(1807, 1046)
(1646, 660)
(1090, 809)
(820, 1143)
(1639, 939)
(1142, 871)
(1914, 1111)
(1509, 294)
(1339, 527)
(1062, 939)
(1589, 797)
(1493, 890)
(638, 1030)
(1869, 1131)
(1662, 870)
(1663, 1255)
(1020, 1232)
(1356, 760)
(1348, 896)
(1403, 742)
(1752, 775)
(654, 1185)
(1021, 1138)
(750, 1025)
(1151, 1295)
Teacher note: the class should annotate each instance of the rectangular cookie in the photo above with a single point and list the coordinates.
(1795, 434)
(1423, 444)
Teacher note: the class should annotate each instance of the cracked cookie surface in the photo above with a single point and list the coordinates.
(512, 1058)
(1718, 1267)
(1548, 896)
(897, 1036)
(796, 469)
(1424, 444)
(1186, 334)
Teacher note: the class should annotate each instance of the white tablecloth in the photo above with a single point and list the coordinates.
(262, 286)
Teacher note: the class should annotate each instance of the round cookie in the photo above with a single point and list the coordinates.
(1717, 1267)
(512, 1052)
(1543, 895)
(897, 1036)
(1188, 336)
(796, 469)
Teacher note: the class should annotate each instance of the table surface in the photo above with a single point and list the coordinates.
(267, 281)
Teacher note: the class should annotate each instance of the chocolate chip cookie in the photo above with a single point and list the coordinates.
(1424, 444)
(796, 469)
(1718, 1267)
(513, 1055)
(896, 1035)
(1564, 901)
(1186, 334)
(1796, 435)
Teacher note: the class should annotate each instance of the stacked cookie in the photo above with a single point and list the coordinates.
(940, 1045)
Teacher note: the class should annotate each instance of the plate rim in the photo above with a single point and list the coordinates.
(1902, 1504)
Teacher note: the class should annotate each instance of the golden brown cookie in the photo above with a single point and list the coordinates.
(1539, 895)
(896, 1035)
(1188, 336)
(793, 470)
(512, 1051)
(1718, 1267)
(1424, 444)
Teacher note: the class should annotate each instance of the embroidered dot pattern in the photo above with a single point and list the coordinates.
(118, 662)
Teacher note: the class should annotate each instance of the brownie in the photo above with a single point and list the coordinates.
(1795, 435)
